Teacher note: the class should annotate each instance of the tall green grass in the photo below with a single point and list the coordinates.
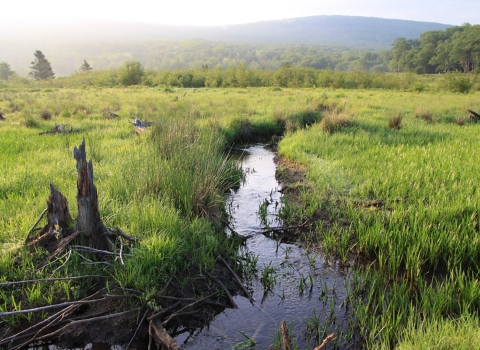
(422, 235)
(165, 187)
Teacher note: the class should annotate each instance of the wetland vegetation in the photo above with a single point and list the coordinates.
(389, 190)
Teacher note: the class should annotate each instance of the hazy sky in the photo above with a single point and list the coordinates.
(221, 12)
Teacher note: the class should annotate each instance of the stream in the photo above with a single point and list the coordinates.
(306, 291)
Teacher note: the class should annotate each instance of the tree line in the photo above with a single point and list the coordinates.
(442, 51)
(438, 51)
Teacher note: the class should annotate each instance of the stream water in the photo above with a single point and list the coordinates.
(306, 290)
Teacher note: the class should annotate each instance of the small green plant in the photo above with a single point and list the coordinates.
(268, 277)
(248, 343)
(66, 113)
(263, 213)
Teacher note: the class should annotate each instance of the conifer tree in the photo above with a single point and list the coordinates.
(5, 71)
(41, 68)
(85, 67)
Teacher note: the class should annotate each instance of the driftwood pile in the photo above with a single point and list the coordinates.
(474, 116)
(139, 126)
(110, 115)
(59, 129)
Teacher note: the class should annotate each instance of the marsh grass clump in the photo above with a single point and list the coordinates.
(460, 121)
(334, 121)
(427, 116)
(14, 107)
(395, 122)
(29, 121)
(46, 114)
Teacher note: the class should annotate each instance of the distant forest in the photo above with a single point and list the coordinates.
(341, 43)
(435, 51)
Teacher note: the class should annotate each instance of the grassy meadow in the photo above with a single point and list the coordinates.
(393, 172)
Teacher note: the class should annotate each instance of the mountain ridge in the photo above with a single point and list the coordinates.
(66, 44)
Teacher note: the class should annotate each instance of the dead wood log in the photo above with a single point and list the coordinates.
(59, 223)
(162, 337)
(2, 118)
(7, 284)
(217, 281)
(88, 221)
(59, 129)
(110, 115)
(474, 115)
(286, 342)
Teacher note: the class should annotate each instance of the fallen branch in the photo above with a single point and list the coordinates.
(138, 327)
(51, 280)
(99, 318)
(59, 129)
(237, 279)
(287, 343)
(217, 281)
(55, 306)
(164, 311)
(474, 115)
(120, 233)
(28, 332)
(35, 224)
(162, 336)
(93, 250)
(186, 307)
(61, 247)
(69, 309)
(327, 340)
(284, 228)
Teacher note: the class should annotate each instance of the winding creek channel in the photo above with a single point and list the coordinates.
(306, 291)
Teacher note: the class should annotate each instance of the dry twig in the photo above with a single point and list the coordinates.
(237, 279)
(327, 340)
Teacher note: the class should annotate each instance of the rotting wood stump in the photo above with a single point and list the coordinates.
(89, 223)
(88, 226)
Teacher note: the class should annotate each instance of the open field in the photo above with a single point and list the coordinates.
(392, 174)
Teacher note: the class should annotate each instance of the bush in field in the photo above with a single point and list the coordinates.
(456, 82)
(131, 73)
(334, 121)
(46, 114)
(424, 115)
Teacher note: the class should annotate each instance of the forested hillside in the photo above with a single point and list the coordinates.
(453, 49)
(318, 42)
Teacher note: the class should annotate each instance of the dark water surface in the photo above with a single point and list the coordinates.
(322, 299)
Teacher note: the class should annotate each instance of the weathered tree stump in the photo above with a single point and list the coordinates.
(59, 222)
(89, 223)
(60, 225)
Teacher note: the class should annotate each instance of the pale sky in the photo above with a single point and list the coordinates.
(224, 12)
